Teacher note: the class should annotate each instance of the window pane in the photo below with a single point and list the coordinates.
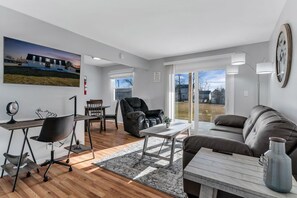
(124, 82)
(183, 107)
(123, 88)
(123, 93)
(211, 94)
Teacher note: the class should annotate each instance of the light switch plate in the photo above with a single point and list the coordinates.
(245, 93)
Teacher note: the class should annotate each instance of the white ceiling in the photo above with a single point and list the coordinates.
(160, 28)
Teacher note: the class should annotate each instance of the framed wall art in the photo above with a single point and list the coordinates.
(28, 63)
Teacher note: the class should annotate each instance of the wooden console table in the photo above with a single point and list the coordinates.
(24, 126)
(236, 174)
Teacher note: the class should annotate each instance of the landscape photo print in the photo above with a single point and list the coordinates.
(27, 63)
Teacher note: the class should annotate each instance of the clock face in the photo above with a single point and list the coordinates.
(283, 55)
(12, 108)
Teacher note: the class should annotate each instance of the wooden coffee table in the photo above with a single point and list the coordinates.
(236, 174)
(167, 133)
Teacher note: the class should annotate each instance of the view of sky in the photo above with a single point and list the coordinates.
(124, 82)
(18, 49)
(208, 80)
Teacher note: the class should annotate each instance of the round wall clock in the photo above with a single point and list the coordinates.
(283, 57)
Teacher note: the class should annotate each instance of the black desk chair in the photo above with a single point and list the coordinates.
(114, 116)
(54, 130)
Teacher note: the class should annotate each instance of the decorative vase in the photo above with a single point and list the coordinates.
(277, 166)
(168, 125)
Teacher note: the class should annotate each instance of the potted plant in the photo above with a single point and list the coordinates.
(167, 121)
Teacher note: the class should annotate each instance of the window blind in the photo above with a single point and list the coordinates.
(121, 73)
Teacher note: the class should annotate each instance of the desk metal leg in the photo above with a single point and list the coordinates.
(90, 138)
(71, 141)
(24, 131)
(20, 159)
(5, 160)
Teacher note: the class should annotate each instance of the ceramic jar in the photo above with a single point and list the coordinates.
(277, 166)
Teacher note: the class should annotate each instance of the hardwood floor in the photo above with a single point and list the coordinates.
(86, 179)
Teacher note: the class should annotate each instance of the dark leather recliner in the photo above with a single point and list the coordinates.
(137, 116)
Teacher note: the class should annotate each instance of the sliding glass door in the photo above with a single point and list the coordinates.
(209, 86)
(212, 86)
(184, 96)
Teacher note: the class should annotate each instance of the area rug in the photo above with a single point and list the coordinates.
(149, 171)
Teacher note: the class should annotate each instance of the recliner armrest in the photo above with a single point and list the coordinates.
(230, 120)
(154, 113)
(135, 115)
(193, 144)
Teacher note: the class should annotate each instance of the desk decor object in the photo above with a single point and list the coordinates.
(78, 147)
(277, 166)
(42, 114)
(283, 52)
(167, 121)
(11, 109)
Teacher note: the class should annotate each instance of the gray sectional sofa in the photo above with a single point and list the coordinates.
(241, 135)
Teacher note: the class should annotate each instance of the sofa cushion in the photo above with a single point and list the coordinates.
(227, 129)
(271, 124)
(225, 135)
(230, 120)
(152, 122)
(192, 144)
(253, 117)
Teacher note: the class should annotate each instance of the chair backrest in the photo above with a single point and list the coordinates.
(117, 107)
(256, 112)
(94, 107)
(136, 104)
(56, 129)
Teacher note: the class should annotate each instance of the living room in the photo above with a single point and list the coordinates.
(153, 45)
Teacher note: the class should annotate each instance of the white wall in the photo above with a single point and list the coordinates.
(285, 99)
(22, 27)
(94, 83)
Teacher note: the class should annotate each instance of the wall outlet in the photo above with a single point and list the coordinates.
(245, 93)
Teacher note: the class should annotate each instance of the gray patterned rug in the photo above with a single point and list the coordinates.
(150, 171)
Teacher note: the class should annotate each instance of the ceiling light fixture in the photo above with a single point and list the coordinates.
(265, 68)
(96, 58)
(232, 69)
(238, 59)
